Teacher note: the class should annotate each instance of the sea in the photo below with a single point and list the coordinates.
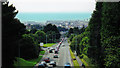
(43, 17)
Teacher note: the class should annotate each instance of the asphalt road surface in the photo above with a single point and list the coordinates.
(63, 55)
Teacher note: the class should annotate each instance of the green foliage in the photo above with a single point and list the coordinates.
(75, 31)
(110, 34)
(80, 42)
(41, 36)
(33, 31)
(71, 37)
(94, 49)
(70, 31)
(52, 28)
(76, 64)
(51, 36)
(12, 30)
(112, 51)
(84, 44)
(42, 52)
(28, 48)
(22, 63)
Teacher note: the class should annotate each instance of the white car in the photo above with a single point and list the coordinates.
(53, 63)
(43, 62)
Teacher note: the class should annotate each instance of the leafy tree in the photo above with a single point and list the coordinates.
(76, 30)
(71, 37)
(28, 47)
(51, 37)
(110, 33)
(50, 27)
(33, 30)
(12, 30)
(82, 29)
(94, 51)
(70, 31)
(41, 36)
(62, 29)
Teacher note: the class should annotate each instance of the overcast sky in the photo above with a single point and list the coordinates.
(54, 5)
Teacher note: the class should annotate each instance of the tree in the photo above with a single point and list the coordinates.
(76, 30)
(51, 36)
(71, 37)
(110, 34)
(50, 27)
(33, 30)
(41, 36)
(12, 30)
(94, 51)
(70, 31)
(82, 29)
(29, 49)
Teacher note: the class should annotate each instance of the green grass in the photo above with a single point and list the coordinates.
(49, 44)
(72, 55)
(87, 61)
(42, 52)
(76, 64)
(21, 63)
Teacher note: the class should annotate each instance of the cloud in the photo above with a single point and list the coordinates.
(54, 5)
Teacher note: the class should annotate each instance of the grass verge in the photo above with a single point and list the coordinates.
(22, 63)
(87, 61)
(49, 44)
(42, 52)
(76, 64)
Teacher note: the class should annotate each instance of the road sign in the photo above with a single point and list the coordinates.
(41, 44)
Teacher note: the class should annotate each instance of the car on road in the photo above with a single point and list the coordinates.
(63, 45)
(41, 66)
(67, 65)
(56, 51)
(45, 64)
(50, 51)
(48, 47)
(55, 56)
(53, 63)
(47, 59)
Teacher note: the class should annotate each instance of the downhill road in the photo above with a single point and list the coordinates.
(63, 55)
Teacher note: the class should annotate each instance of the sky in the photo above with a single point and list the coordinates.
(54, 5)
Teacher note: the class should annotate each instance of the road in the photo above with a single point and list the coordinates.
(63, 55)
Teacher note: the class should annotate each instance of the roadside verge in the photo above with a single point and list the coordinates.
(75, 62)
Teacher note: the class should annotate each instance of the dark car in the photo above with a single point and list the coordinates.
(56, 52)
(41, 66)
(55, 56)
(47, 59)
(67, 65)
(50, 51)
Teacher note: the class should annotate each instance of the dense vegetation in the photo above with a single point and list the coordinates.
(19, 42)
(100, 40)
(75, 31)
(52, 33)
(12, 31)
